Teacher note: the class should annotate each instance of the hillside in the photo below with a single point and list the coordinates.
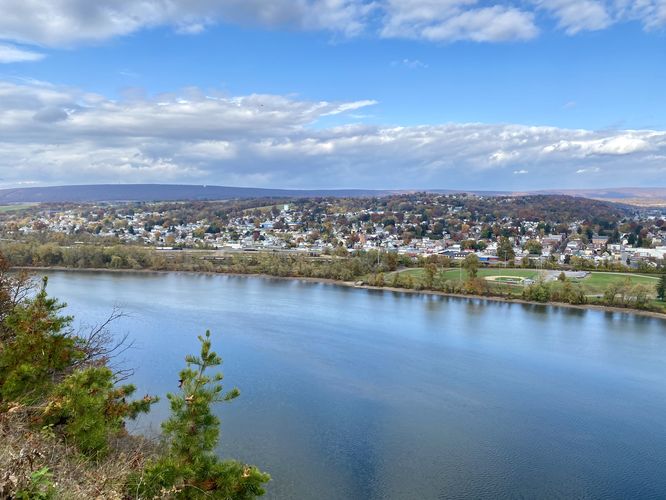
(647, 197)
(161, 192)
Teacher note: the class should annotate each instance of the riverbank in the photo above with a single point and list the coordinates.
(355, 284)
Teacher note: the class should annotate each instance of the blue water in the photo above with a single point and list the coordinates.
(350, 393)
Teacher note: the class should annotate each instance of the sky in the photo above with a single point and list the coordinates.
(385, 94)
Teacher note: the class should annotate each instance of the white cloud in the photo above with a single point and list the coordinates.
(502, 156)
(63, 23)
(66, 22)
(56, 135)
(492, 24)
(349, 106)
(12, 54)
(453, 20)
(625, 143)
(591, 170)
(575, 16)
(410, 63)
(652, 13)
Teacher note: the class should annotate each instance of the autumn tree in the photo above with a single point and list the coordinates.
(430, 270)
(533, 247)
(505, 249)
(471, 265)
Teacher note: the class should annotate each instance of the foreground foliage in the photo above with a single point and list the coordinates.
(63, 411)
(190, 467)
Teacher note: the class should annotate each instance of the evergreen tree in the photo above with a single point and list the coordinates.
(661, 288)
(36, 349)
(92, 408)
(190, 468)
(43, 364)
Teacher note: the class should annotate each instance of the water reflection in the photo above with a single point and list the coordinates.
(350, 393)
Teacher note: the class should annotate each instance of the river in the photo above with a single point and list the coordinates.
(352, 393)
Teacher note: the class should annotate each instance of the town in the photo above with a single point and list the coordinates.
(553, 230)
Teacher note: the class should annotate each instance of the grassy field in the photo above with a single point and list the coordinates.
(418, 274)
(597, 282)
(594, 284)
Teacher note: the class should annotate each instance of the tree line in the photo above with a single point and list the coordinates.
(375, 268)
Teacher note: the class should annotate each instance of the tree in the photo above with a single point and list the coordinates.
(610, 293)
(429, 274)
(340, 251)
(533, 247)
(61, 377)
(631, 240)
(36, 348)
(471, 265)
(539, 292)
(641, 296)
(661, 288)
(92, 408)
(571, 294)
(505, 249)
(190, 466)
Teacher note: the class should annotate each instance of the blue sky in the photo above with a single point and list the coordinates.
(334, 93)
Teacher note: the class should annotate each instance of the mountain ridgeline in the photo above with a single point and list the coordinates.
(187, 192)
(162, 192)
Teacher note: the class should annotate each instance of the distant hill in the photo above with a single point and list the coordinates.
(184, 192)
(615, 193)
(162, 192)
(630, 196)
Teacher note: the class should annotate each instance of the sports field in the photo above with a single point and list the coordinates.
(460, 274)
(593, 284)
(597, 282)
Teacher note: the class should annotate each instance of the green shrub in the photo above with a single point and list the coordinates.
(538, 292)
(40, 487)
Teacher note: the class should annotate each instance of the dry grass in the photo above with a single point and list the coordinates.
(25, 450)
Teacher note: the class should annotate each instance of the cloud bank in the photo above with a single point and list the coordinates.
(63, 23)
(58, 135)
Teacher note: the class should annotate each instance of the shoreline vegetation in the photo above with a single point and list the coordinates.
(366, 286)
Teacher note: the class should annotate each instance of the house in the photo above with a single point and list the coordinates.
(599, 241)
(574, 245)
